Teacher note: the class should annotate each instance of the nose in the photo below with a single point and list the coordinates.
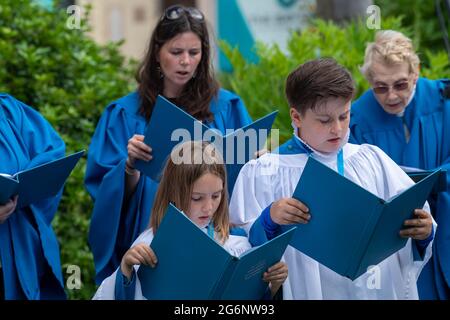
(391, 94)
(336, 127)
(184, 59)
(208, 206)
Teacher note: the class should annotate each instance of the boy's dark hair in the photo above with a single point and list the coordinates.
(316, 81)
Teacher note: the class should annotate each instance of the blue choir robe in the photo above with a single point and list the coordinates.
(28, 246)
(428, 120)
(113, 228)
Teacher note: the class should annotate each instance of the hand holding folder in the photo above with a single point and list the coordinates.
(350, 228)
(193, 266)
(38, 183)
(170, 125)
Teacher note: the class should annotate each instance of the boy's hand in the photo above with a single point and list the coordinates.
(418, 228)
(289, 211)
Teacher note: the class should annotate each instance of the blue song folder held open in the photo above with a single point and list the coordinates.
(192, 266)
(351, 229)
(38, 183)
(170, 125)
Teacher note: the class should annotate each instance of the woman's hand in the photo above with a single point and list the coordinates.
(289, 211)
(7, 209)
(137, 255)
(137, 149)
(418, 228)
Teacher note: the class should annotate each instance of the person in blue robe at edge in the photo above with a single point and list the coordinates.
(177, 65)
(408, 117)
(30, 266)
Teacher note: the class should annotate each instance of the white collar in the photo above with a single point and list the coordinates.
(402, 113)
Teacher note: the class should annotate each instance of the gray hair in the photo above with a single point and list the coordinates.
(390, 47)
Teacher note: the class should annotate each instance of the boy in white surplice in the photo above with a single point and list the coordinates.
(319, 94)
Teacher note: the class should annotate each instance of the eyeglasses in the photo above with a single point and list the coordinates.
(401, 86)
(176, 11)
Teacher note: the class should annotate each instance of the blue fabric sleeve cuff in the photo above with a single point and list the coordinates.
(423, 244)
(124, 288)
(271, 228)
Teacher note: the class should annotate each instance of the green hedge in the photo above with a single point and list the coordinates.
(70, 79)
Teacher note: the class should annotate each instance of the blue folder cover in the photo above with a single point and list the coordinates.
(170, 125)
(417, 174)
(350, 228)
(192, 266)
(38, 183)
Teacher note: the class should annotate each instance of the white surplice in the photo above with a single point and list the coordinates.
(274, 176)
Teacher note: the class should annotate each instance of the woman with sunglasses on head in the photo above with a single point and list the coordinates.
(409, 118)
(177, 66)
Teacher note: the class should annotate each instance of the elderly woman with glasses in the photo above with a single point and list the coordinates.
(409, 118)
(177, 66)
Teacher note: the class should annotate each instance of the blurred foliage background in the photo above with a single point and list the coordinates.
(70, 79)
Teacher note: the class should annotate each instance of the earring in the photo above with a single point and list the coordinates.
(161, 75)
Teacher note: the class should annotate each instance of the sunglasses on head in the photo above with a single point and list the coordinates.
(176, 11)
(401, 86)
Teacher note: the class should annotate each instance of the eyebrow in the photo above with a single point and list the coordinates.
(396, 81)
(202, 193)
(329, 116)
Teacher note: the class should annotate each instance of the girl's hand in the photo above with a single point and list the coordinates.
(137, 255)
(276, 275)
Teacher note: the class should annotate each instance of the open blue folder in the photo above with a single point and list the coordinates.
(350, 228)
(417, 174)
(38, 183)
(170, 125)
(192, 266)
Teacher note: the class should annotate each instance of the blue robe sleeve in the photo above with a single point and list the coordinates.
(263, 229)
(113, 226)
(28, 246)
(124, 288)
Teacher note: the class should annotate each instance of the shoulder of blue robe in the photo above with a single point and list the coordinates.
(112, 231)
(237, 231)
(367, 115)
(42, 142)
(292, 146)
(229, 112)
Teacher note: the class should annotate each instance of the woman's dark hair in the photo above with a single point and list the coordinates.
(199, 91)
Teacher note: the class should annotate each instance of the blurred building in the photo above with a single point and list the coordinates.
(240, 22)
(134, 20)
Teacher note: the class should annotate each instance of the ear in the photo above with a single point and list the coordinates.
(415, 78)
(295, 117)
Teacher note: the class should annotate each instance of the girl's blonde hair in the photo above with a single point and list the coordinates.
(390, 47)
(187, 163)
